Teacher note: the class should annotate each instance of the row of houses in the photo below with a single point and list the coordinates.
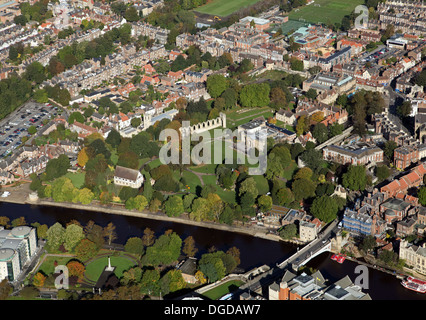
(31, 159)
(91, 73)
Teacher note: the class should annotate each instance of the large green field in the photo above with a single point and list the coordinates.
(325, 11)
(224, 8)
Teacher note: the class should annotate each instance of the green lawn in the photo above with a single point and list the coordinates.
(95, 268)
(76, 178)
(48, 266)
(329, 11)
(224, 8)
(192, 180)
(223, 289)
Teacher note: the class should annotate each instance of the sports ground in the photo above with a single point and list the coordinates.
(324, 11)
(224, 8)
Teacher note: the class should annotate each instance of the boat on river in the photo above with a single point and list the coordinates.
(338, 257)
(414, 284)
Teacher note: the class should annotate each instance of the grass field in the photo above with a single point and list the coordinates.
(95, 268)
(223, 289)
(76, 178)
(224, 8)
(329, 11)
(48, 266)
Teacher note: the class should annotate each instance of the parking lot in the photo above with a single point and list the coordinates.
(380, 53)
(15, 126)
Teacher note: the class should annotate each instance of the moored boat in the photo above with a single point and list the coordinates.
(414, 284)
(338, 258)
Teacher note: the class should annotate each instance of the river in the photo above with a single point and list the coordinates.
(254, 251)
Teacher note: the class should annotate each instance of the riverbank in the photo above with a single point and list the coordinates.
(20, 195)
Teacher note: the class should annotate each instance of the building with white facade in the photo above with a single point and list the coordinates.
(128, 177)
(17, 247)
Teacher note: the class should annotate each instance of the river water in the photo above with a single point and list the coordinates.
(254, 251)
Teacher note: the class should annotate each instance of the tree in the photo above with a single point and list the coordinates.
(389, 148)
(422, 195)
(148, 237)
(302, 125)
(39, 279)
(29, 293)
(320, 132)
(131, 14)
(382, 172)
(128, 159)
(200, 210)
(135, 122)
(336, 129)
(312, 158)
(288, 232)
(283, 197)
(84, 196)
(211, 265)
(55, 236)
(82, 157)
(274, 167)
(278, 98)
(18, 222)
(231, 97)
(86, 249)
(296, 64)
(216, 85)
(189, 248)
(303, 189)
(355, 178)
(324, 208)
(134, 245)
(127, 192)
(172, 281)
(5, 289)
(113, 138)
(42, 231)
(265, 203)
(58, 167)
(76, 268)
(109, 233)
(139, 203)
(255, 95)
(76, 116)
(303, 173)
(173, 206)
(248, 186)
(165, 250)
(311, 94)
(405, 109)
(368, 243)
(72, 236)
(132, 276)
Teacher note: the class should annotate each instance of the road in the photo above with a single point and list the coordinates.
(276, 273)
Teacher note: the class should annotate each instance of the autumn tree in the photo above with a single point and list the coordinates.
(39, 279)
(76, 268)
(110, 233)
(189, 247)
(148, 237)
(278, 98)
(85, 250)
